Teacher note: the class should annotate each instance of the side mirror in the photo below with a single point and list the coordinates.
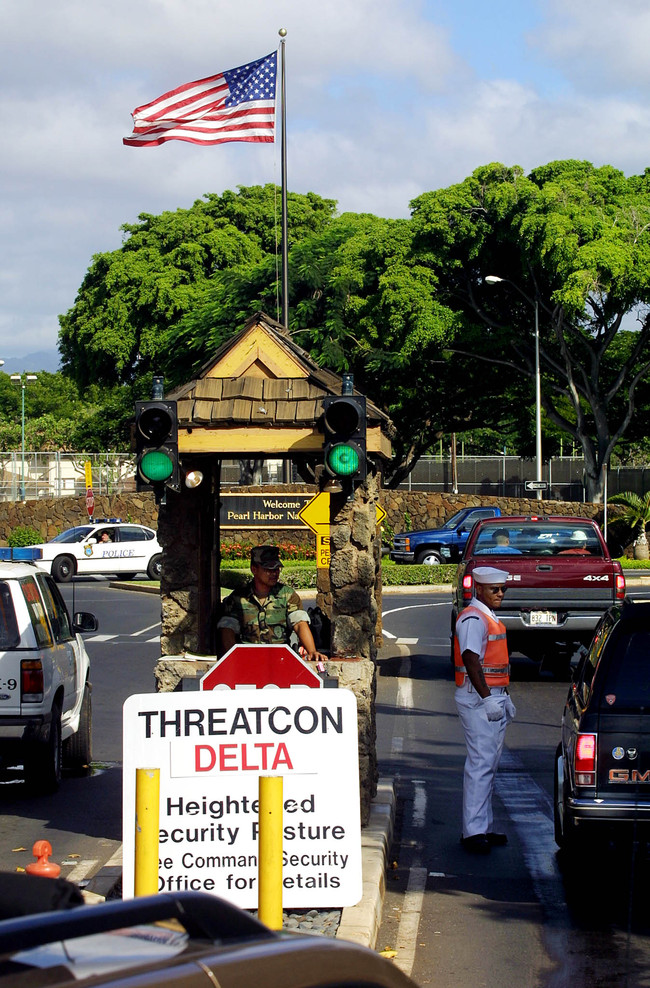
(84, 621)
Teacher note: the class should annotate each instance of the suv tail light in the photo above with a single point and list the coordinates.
(467, 586)
(31, 681)
(620, 585)
(585, 767)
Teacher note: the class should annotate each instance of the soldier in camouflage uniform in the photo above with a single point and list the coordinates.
(265, 610)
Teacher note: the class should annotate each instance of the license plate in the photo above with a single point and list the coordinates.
(543, 617)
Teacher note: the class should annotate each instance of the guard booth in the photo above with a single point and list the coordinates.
(261, 396)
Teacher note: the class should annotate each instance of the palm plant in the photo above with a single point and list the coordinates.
(637, 514)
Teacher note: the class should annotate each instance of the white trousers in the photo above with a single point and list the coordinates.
(484, 740)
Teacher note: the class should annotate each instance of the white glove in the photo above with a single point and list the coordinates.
(511, 710)
(493, 708)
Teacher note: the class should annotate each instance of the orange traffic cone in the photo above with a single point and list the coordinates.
(42, 866)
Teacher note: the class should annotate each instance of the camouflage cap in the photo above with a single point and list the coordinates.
(267, 556)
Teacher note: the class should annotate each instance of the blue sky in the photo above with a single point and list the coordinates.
(386, 99)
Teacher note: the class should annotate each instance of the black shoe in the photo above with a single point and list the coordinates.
(477, 844)
(497, 840)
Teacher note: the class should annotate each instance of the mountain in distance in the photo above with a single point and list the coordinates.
(41, 360)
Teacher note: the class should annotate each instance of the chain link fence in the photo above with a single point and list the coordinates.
(43, 475)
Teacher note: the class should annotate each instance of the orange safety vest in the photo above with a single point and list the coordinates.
(496, 661)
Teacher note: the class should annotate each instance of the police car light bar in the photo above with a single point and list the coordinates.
(20, 554)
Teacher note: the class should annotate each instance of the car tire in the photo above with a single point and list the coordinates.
(63, 569)
(78, 750)
(154, 568)
(429, 557)
(44, 759)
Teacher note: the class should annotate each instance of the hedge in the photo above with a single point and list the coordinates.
(304, 577)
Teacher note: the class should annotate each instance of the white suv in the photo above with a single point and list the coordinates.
(107, 545)
(45, 705)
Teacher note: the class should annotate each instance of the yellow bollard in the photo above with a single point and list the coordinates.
(147, 818)
(269, 868)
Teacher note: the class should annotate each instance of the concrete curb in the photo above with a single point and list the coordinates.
(102, 885)
(361, 923)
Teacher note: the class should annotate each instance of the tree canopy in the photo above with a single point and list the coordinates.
(571, 243)
(404, 303)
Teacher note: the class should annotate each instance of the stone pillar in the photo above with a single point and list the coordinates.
(179, 535)
(354, 568)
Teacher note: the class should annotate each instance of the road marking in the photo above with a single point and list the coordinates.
(411, 607)
(404, 700)
(419, 803)
(414, 897)
(81, 870)
(101, 638)
(143, 631)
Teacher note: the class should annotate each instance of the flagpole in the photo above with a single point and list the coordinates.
(285, 241)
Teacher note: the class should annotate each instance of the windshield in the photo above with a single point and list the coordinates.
(538, 539)
(74, 534)
(453, 521)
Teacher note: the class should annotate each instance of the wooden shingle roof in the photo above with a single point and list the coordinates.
(261, 380)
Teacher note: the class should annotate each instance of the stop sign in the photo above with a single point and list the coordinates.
(90, 501)
(260, 667)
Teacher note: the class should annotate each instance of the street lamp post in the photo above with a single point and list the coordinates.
(493, 279)
(22, 380)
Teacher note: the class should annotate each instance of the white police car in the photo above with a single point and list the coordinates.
(105, 546)
(45, 705)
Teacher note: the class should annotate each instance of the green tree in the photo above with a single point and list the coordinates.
(130, 298)
(573, 241)
(636, 512)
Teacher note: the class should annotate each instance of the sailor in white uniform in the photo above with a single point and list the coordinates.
(484, 706)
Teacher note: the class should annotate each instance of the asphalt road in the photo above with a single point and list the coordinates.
(453, 920)
(513, 917)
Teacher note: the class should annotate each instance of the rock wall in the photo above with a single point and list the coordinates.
(53, 515)
(414, 510)
(404, 509)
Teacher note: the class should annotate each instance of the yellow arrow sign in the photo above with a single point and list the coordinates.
(316, 513)
(381, 514)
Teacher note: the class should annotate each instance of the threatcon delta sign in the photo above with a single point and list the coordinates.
(211, 748)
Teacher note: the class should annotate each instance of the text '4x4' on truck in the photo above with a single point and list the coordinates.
(561, 580)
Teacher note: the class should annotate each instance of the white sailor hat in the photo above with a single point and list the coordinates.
(489, 574)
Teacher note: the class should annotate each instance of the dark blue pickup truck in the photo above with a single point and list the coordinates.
(434, 546)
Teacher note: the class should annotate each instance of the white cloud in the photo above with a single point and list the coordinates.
(599, 44)
(381, 108)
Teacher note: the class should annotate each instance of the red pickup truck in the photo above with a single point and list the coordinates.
(561, 580)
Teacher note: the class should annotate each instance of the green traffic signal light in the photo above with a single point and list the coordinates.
(344, 447)
(156, 465)
(343, 460)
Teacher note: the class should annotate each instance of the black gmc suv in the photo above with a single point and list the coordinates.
(602, 764)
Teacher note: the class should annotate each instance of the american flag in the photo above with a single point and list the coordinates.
(237, 105)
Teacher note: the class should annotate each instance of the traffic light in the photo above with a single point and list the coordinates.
(156, 443)
(344, 450)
